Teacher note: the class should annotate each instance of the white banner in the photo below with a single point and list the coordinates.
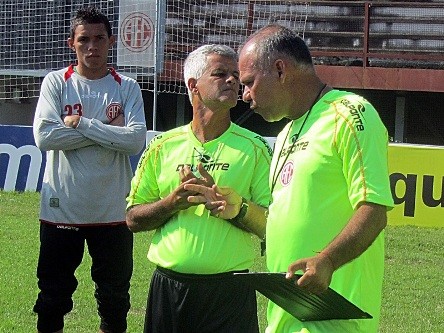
(137, 31)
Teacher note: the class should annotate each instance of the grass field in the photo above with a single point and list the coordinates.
(413, 298)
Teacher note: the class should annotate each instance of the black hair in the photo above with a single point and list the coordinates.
(89, 15)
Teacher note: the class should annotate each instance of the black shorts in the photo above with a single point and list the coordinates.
(61, 252)
(194, 303)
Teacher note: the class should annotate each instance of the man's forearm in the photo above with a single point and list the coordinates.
(360, 232)
(149, 216)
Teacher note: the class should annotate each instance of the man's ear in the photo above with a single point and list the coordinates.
(279, 66)
(192, 85)
(70, 42)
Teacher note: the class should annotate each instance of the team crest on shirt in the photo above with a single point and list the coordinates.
(287, 173)
(113, 110)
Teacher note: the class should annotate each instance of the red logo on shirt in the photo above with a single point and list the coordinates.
(287, 173)
(113, 110)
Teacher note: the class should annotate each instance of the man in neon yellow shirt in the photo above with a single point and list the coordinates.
(196, 250)
(329, 180)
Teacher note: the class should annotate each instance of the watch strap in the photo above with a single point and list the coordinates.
(242, 212)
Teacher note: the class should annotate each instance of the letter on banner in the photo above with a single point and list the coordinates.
(15, 156)
(137, 26)
(417, 183)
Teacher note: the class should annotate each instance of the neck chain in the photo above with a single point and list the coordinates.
(294, 139)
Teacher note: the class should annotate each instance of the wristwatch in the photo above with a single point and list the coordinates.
(242, 212)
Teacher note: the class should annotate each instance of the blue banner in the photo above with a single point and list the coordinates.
(22, 164)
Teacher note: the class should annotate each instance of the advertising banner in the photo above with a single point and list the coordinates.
(416, 175)
(137, 30)
(417, 183)
(21, 162)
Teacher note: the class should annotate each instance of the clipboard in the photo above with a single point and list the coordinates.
(299, 303)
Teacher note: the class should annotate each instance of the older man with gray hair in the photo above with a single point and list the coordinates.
(196, 247)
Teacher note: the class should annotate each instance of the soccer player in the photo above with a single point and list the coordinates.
(329, 180)
(89, 119)
(196, 249)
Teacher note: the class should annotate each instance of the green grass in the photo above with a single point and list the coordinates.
(412, 296)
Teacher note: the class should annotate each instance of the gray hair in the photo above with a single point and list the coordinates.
(196, 62)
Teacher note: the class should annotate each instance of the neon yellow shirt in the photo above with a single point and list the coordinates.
(339, 160)
(192, 241)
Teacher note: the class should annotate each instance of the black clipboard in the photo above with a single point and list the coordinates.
(302, 305)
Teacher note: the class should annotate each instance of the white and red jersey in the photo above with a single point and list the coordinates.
(88, 171)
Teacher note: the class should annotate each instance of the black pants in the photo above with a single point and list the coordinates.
(189, 303)
(61, 252)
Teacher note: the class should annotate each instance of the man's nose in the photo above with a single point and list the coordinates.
(246, 95)
(232, 79)
(92, 46)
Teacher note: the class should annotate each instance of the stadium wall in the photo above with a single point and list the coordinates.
(416, 174)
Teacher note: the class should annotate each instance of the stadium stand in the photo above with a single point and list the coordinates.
(391, 51)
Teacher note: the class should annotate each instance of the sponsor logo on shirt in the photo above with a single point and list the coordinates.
(202, 157)
(300, 145)
(207, 161)
(54, 202)
(209, 166)
(91, 94)
(357, 112)
(68, 227)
